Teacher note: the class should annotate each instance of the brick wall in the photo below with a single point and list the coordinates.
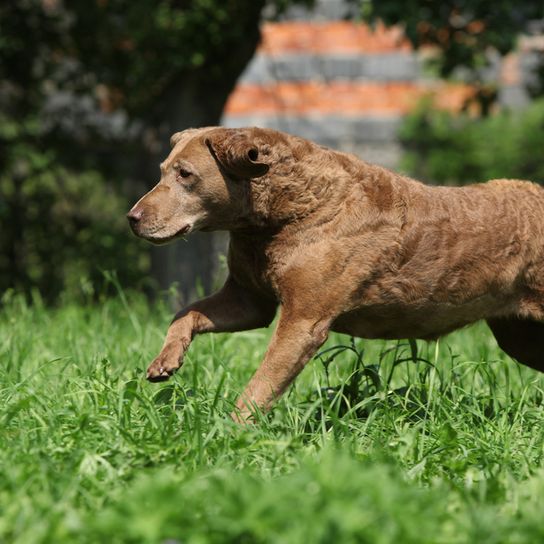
(346, 85)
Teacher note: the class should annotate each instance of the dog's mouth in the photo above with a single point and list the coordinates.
(159, 240)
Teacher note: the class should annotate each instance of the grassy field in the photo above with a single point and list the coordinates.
(376, 442)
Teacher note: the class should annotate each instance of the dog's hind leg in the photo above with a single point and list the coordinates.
(522, 339)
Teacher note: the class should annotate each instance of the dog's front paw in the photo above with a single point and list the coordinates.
(166, 363)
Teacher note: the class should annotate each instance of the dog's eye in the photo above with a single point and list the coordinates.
(182, 172)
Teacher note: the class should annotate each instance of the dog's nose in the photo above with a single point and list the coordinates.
(134, 215)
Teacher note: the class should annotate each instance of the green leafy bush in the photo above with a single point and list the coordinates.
(89, 95)
(61, 229)
(442, 147)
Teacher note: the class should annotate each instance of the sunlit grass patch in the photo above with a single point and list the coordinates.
(376, 441)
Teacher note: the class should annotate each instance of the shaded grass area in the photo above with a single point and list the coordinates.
(376, 442)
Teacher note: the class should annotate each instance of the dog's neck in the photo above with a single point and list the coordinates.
(313, 191)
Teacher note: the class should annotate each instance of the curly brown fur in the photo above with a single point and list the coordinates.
(340, 244)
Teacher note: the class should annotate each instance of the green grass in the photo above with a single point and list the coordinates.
(377, 442)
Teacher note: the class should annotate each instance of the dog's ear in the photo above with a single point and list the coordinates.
(237, 153)
(175, 138)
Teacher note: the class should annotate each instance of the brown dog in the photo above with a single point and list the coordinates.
(343, 245)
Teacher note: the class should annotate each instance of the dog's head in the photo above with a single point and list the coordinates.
(203, 184)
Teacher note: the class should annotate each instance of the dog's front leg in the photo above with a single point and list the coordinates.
(231, 309)
(294, 342)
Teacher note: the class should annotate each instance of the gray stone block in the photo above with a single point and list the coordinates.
(323, 10)
(514, 97)
(398, 66)
(327, 128)
(257, 71)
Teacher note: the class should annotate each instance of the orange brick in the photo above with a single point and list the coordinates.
(510, 70)
(343, 98)
(330, 37)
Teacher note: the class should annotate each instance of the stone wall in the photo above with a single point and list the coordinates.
(348, 86)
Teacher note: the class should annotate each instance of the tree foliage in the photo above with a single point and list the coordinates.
(124, 53)
(462, 32)
(456, 149)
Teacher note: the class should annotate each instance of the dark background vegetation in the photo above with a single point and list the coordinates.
(90, 92)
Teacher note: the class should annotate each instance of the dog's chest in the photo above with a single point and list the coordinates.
(251, 266)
